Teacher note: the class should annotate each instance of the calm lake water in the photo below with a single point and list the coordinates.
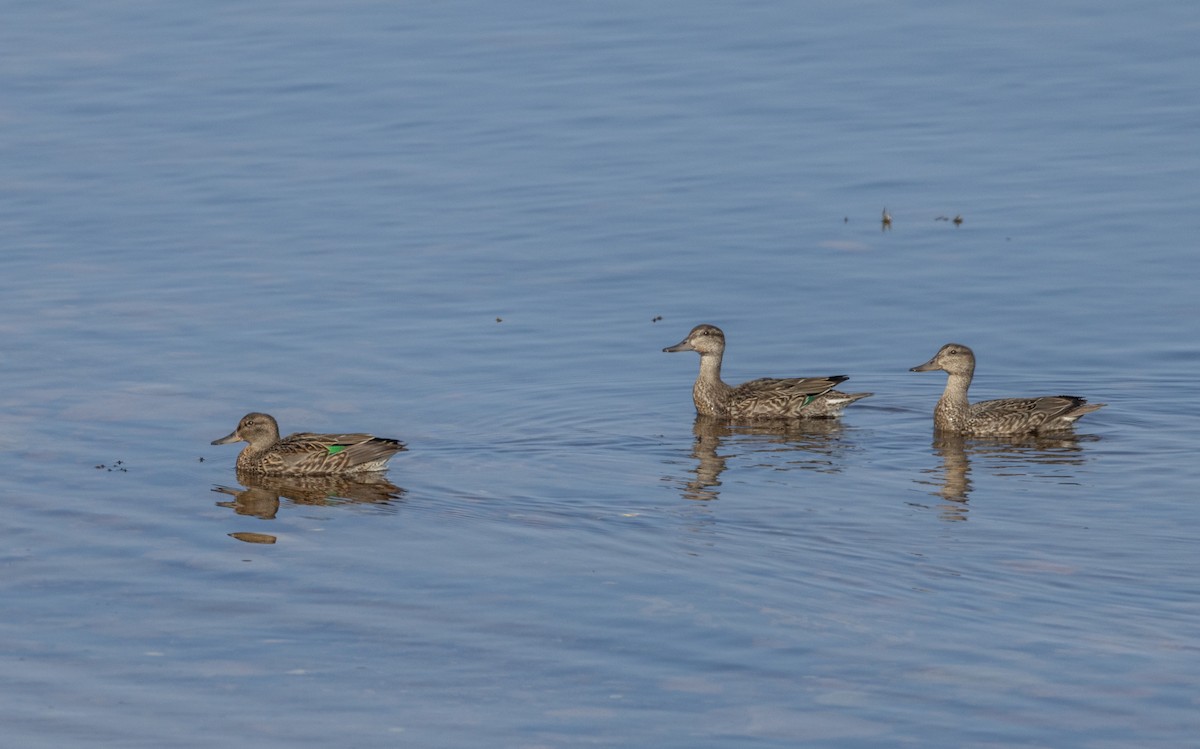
(474, 226)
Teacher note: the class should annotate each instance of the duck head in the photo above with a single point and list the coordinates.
(953, 358)
(704, 339)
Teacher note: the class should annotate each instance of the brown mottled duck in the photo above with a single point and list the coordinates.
(1004, 417)
(305, 453)
(766, 398)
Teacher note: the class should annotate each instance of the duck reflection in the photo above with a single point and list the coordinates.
(1017, 456)
(811, 444)
(261, 495)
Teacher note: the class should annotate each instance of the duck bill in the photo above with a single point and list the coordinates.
(928, 366)
(231, 437)
(681, 346)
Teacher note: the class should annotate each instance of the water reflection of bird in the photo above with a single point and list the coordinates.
(306, 453)
(1002, 417)
(954, 482)
(766, 398)
(1008, 456)
(809, 445)
(262, 493)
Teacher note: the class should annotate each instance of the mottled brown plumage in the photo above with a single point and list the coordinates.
(306, 453)
(1002, 417)
(766, 398)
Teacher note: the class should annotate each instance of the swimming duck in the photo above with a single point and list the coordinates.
(766, 398)
(305, 453)
(1000, 418)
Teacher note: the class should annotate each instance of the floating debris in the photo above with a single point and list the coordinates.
(253, 538)
(958, 220)
(656, 318)
(499, 319)
(886, 222)
(119, 466)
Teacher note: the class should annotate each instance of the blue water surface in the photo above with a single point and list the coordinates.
(474, 226)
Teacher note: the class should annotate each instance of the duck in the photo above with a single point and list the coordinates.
(765, 398)
(306, 453)
(1005, 417)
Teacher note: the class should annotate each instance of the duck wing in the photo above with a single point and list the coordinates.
(311, 453)
(1028, 415)
(771, 397)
